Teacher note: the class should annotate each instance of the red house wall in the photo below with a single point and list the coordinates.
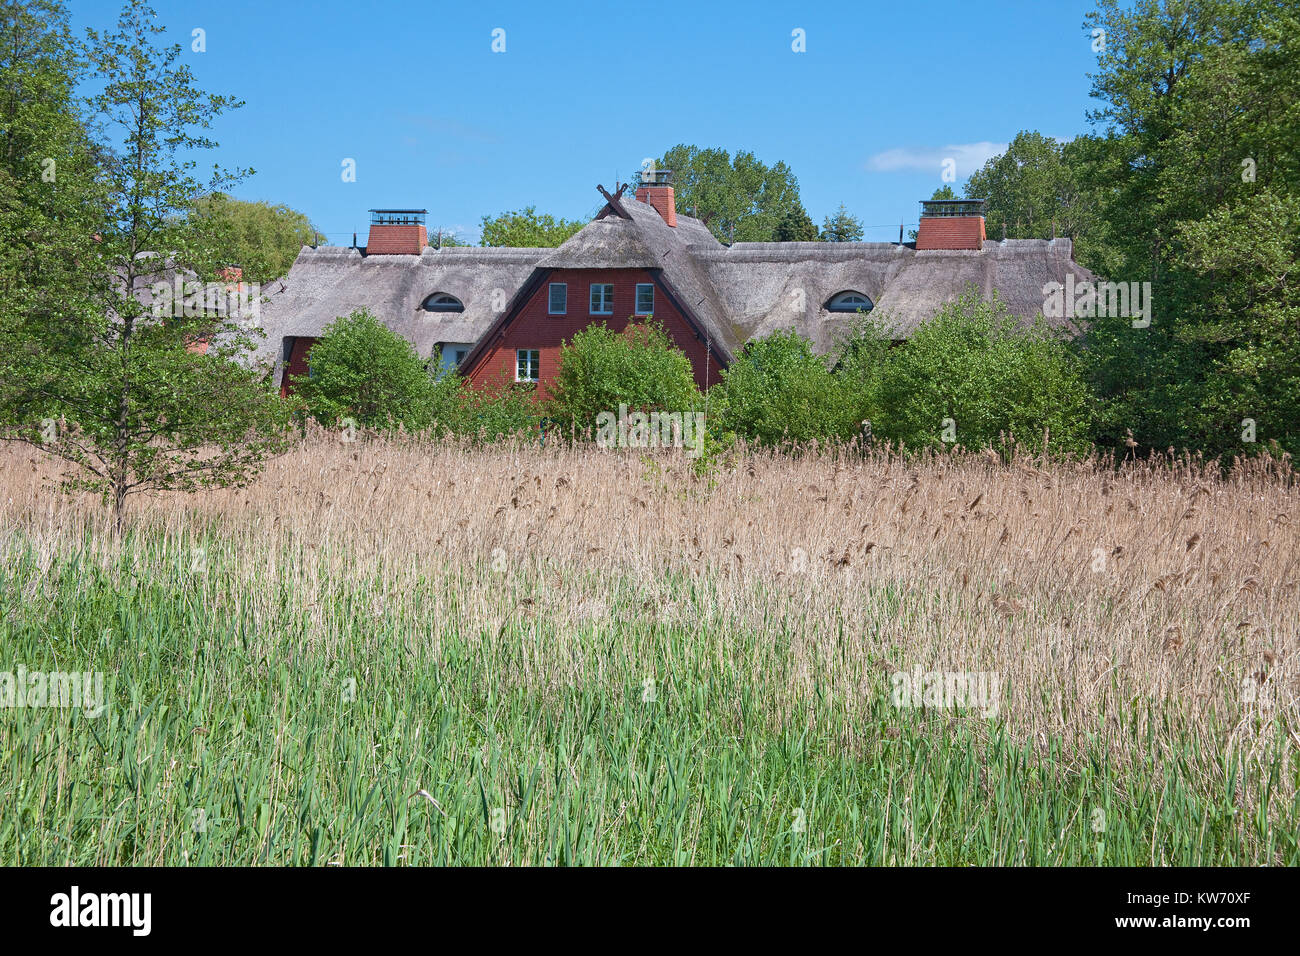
(534, 328)
(297, 363)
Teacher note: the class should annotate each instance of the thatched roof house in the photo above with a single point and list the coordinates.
(504, 310)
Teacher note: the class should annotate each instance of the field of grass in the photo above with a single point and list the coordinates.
(409, 655)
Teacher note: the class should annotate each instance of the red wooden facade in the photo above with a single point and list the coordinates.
(296, 362)
(533, 327)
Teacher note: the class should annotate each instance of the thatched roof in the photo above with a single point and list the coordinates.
(768, 286)
(330, 282)
(734, 294)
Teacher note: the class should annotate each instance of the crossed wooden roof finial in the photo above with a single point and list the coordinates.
(612, 203)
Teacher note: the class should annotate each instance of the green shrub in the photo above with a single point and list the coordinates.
(362, 370)
(498, 409)
(971, 375)
(778, 390)
(601, 369)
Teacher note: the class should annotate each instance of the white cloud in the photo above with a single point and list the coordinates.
(930, 159)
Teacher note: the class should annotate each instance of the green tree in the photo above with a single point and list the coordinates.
(262, 239)
(1031, 189)
(971, 375)
(1200, 134)
(796, 226)
(362, 370)
(779, 390)
(50, 265)
(841, 227)
(740, 198)
(526, 227)
(145, 411)
(601, 369)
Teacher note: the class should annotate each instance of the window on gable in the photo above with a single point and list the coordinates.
(602, 299)
(559, 303)
(645, 298)
(527, 365)
(442, 302)
(849, 302)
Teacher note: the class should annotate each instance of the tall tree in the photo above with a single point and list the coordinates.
(527, 227)
(146, 409)
(261, 238)
(1030, 189)
(740, 198)
(49, 196)
(796, 226)
(841, 227)
(1197, 166)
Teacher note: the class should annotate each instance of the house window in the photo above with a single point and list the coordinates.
(442, 302)
(458, 355)
(645, 298)
(559, 298)
(849, 302)
(527, 364)
(602, 299)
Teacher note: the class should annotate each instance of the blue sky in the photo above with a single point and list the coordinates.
(414, 93)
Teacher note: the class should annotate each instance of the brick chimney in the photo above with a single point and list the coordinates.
(657, 189)
(397, 232)
(951, 224)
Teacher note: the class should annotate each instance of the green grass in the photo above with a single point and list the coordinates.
(230, 739)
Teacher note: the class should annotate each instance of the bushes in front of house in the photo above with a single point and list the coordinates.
(600, 370)
(778, 390)
(363, 372)
(971, 376)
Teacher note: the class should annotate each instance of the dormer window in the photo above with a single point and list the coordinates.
(849, 302)
(442, 302)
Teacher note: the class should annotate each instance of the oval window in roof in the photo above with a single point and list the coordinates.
(849, 301)
(442, 302)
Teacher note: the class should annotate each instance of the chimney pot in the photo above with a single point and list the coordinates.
(397, 232)
(656, 189)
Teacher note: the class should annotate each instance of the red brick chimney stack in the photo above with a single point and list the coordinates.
(656, 188)
(397, 232)
(951, 224)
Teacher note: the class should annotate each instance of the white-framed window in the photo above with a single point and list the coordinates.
(527, 365)
(559, 301)
(645, 298)
(602, 298)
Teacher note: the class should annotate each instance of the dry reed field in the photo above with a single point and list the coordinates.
(386, 652)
